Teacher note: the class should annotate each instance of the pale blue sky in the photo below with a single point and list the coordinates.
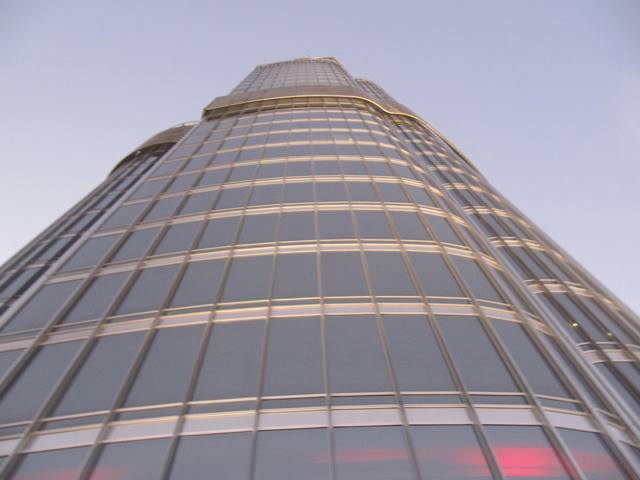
(544, 96)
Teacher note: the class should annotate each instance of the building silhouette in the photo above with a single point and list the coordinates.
(310, 282)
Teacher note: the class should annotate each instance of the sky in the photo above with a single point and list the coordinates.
(543, 96)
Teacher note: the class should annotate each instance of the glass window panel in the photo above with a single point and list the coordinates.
(231, 367)
(525, 452)
(335, 225)
(354, 355)
(353, 168)
(266, 195)
(243, 173)
(178, 238)
(592, 456)
(259, 228)
(475, 356)
(136, 245)
(388, 274)
(7, 359)
(182, 183)
(249, 278)
(362, 192)
(299, 169)
(296, 276)
(96, 300)
(379, 169)
(97, 383)
(371, 453)
(409, 226)
(212, 456)
(219, 232)
(148, 189)
(476, 279)
(149, 290)
(124, 216)
(169, 361)
(443, 229)
(232, 198)
(54, 464)
(141, 460)
(293, 454)
(213, 177)
(434, 275)
(328, 168)
(199, 285)
(331, 192)
(527, 356)
(163, 208)
(297, 226)
(42, 307)
(89, 254)
(342, 275)
(271, 170)
(417, 361)
(419, 195)
(449, 453)
(294, 357)
(198, 162)
(18, 284)
(298, 192)
(32, 386)
(391, 192)
(373, 225)
(198, 202)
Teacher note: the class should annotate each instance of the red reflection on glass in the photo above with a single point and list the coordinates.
(529, 462)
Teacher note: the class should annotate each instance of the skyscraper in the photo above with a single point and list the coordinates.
(310, 282)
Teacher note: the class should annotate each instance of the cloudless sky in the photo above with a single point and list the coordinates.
(543, 96)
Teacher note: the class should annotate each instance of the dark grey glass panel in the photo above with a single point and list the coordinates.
(259, 228)
(178, 238)
(449, 453)
(219, 232)
(531, 362)
(163, 208)
(266, 195)
(271, 170)
(199, 285)
(90, 253)
(7, 359)
(391, 192)
(213, 177)
(141, 460)
(249, 278)
(243, 173)
(149, 290)
(621, 388)
(65, 464)
(41, 308)
(231, 366)
(169, 362)
(362, 192)
(409, 226)
(148, 189)
(167, 169)
(476, 279)
(297, 226)
(212, 457)
(293, 454)
(335, 225)
(342, 275)
(388, 274)
(379, 169)
(373, 225)
(32, 386)
(198, 202)
(475, 356)
(417, 361)
(96, 300)
(592, 456)
(124, 216)
(296, 276)
(354, 355)
(196, 163)
(331, 192)
(17, 283)
(442, 229)
(419, 195)
(294, 357)
(525, 452)
(353, 168)
(136, 245)
(298, 192)
(371, 453)
(98, 381)
(182, 183)
(232, 198)
(299, 169)
(434, 275)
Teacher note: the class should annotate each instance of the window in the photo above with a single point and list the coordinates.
(388, 274)
(142, 459)
(476, 359)
(259, 228)
(476, 280)
(232, 198)
(96, 300)
(409, 226)
(434, 275)
(149, 290)
(249, 278)
(362, 192)
(97, 383)
(294, 357)
(391, 192)
(136, 245)
(443, 229)
(124, 216)
(331, 192)
(591, 455)
(296, 276)
(178, 238)
(219, 232)
(373, 225)
(41, 308)
(148, 189)
(199, 284)
(334, 225)
(354, 355)
(182, 183)
(266, 194)
(40, 465)
(212, 456)
(89, 254)
(162, 209)
(417, 361)
(231, 367)
(169, 361)
(297, 226)
(198, 202)
(342, 275)
(293, 454)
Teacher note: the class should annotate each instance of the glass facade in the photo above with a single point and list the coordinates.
(309, 282)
